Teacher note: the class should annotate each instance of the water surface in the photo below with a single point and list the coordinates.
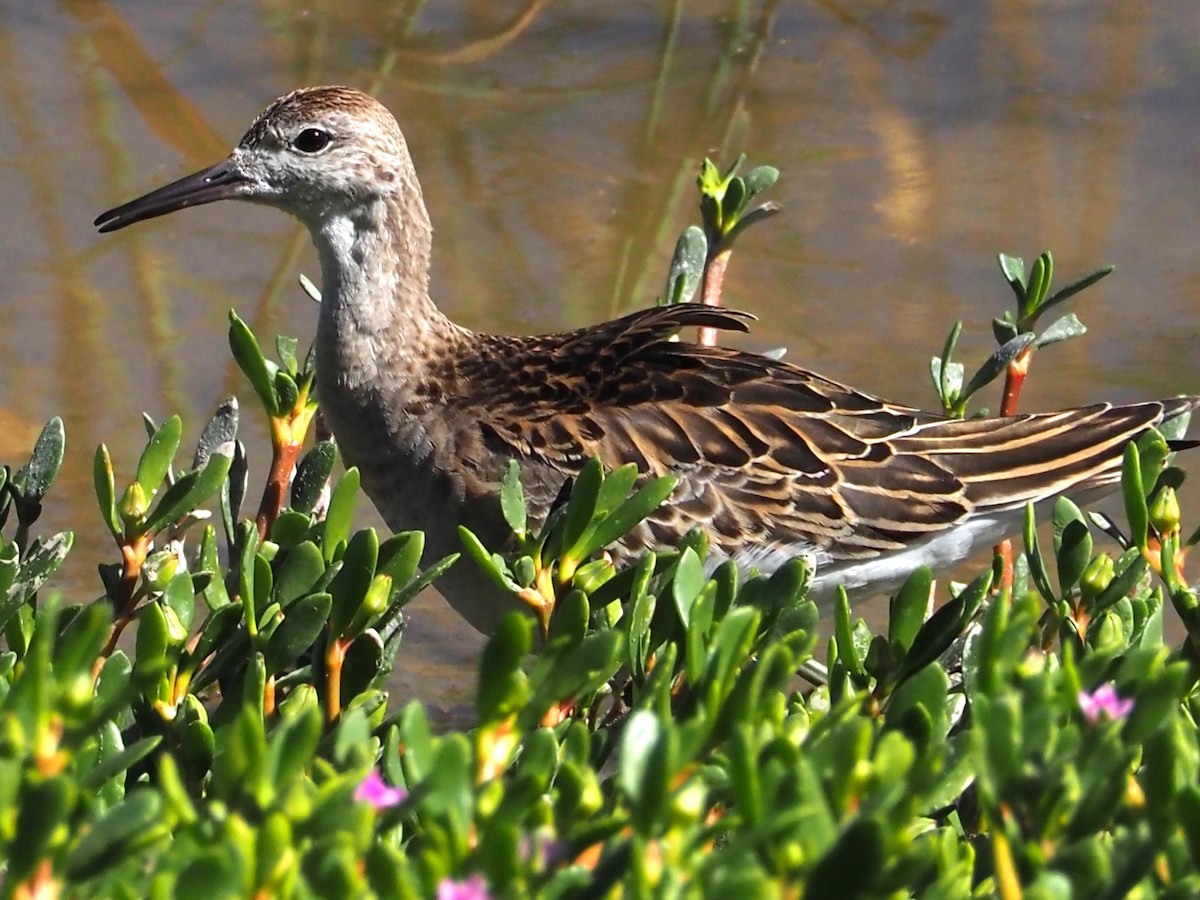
(557, 144)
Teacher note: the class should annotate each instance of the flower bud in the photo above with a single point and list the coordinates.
(1106, 632)
(159, 568)
(378, 594)
(1097, 576)
(134, 504)
(1164, 511)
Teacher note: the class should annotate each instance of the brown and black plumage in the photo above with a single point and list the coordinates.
(772, 460)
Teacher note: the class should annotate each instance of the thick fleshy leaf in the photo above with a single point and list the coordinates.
(910, 607)
(1013, 268)
(299, 573)
(581, 508)
(1062, 329)
(180, 596)
(512, 498)
(1136, 512)
(733, 202)
(106, 492)
(188, 492)
(947, 380)
(844, 632)
(122, 831)
(629, 513)
(944, 626)
(995, 364)
(340, 515)
(285, 351)
(402, 595)
(311, 475)
(1004, 329)
(301, 625)
(1033, 553)
(491, 564)
(687, 266)
(1072, 289)
(1128, 570)
(220, 430)
(35, 477)
(233, 491)
(119, 762)
(364, 663)
(253, 364)
(615, 488)
(286, 391)
(349, 586)
(214, 593)
(42, 561)
(760, 178)
(1040, 274)
(156, 459)
(647, 764)
(400, 555)
(1074, 553)
(502, 688)
(686, 584)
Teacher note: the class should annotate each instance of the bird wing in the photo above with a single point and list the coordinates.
(768, 451)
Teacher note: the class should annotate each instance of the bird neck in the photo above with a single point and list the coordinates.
(377, 321)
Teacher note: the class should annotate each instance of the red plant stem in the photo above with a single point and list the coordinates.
(282, 464)
(714, 277)
(334, 658)
(133, 554)
(1014, 380)
(269, 696)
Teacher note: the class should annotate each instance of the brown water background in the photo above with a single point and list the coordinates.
(557, 143)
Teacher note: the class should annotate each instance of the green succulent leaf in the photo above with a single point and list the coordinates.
(760, 178)
(35, 477)
(340, 514)
(995, 364)
(106, 492)
(301, 625)
(1013, 268)
(843, 630)
(311, 475)
(349, 586)
(944, 626)
(1134, 493)
(910, 607)
(122, 831)
(188, 492)
(1062, 329)
(630, 512)
(220, 431)
(512, 498)
(1072, 289)
(254, 365)
(155, 462)
(687, 266)
(40, 563)
(1033, 552)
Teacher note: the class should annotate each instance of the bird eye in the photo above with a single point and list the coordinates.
(312, 140)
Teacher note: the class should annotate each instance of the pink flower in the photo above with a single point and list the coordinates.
(1104, 703)
(473, 888)
(378, 793)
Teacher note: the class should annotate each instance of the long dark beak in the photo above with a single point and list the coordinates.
(220, 182)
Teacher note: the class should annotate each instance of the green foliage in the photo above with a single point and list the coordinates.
(1014, 332)
(667, 733)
